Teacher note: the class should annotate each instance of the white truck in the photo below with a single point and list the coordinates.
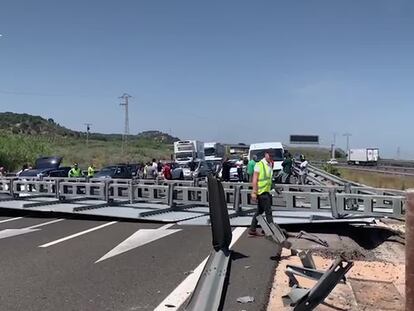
(258, 149)
(186, 151)
(365, 156)
(214, 151)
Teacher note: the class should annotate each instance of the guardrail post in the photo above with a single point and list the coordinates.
(131, 191)
(368, 206)
(409, 252)
(57, 185)
(315, 202)
(236, 204)
(334, 203)
(107, 194)
(170, 197)
(290, 199)
(397, 207)
(12, 188)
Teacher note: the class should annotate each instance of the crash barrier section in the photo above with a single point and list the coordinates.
(84, 189)
(6, 185)
(150, 193)
(304, 299)
(321, 175)
(338, 199)
(375, 205)
(208, 293)
(38, 187)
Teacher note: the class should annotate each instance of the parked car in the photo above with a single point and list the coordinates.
(46, 167)
(115, 172)
(133, 167)
(183, 171)
(234, 174)
(332, 162)
(215, 166)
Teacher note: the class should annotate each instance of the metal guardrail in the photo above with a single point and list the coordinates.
(338, 200)
(208, 293)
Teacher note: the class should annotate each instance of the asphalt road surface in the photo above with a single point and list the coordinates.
(94, 264)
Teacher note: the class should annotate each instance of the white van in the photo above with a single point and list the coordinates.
(259, 149)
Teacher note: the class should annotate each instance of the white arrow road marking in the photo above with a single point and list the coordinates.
(7, 233)
(179, 295)
(78, 234)
(10, 219)
(139, 238)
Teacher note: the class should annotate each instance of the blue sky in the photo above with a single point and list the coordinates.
(232, 71)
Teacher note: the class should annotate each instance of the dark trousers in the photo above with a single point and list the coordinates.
(264, 204)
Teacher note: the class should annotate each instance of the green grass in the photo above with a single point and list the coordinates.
(378, 180)
(16, 150)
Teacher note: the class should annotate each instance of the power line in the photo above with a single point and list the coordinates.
(125, 97)
(347, 135)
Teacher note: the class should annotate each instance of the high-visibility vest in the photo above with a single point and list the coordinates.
(91, 171)
(75, 172)
(265, 178)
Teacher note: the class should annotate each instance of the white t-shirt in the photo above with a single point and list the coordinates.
(268, 167)
(303, 168)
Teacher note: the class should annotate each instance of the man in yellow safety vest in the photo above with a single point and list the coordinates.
(75, 171)
(91, 170)
(262, 184)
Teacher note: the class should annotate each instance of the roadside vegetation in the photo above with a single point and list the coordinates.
(18, 149)
(378, 180)
(24, 138)
(15, 150)
(316, 153)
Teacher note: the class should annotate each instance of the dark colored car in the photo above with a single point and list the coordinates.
(47, 167)
(133, 168)
(185, 171)
(115, 172)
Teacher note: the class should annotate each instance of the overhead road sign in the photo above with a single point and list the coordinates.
(304, 139)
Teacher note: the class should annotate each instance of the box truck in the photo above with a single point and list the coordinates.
(364, 156)
(188, 150)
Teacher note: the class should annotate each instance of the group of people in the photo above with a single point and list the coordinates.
(75, 171)
(288, 169)
(154, 169)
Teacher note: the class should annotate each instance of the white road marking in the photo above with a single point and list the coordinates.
(7, 233)
(139, 238)
(46, 223)
(78, 234)
(179, 295)
(10, 219)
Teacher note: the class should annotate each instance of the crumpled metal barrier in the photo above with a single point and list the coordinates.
(209, 290)
(304, 299)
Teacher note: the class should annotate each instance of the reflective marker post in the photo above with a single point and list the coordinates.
(409, 252)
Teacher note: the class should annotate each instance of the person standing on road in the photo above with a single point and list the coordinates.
(91, 170)
(225, 171)
(75, 171)
(154, 168)
(250, 167)
(166, 170)
(303, 170)
(287, 166)
(262, 184)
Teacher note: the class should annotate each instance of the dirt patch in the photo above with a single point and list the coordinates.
(376, 295)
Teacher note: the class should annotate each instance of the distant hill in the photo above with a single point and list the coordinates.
(22, 123)
(26, 124)
(158, 136)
